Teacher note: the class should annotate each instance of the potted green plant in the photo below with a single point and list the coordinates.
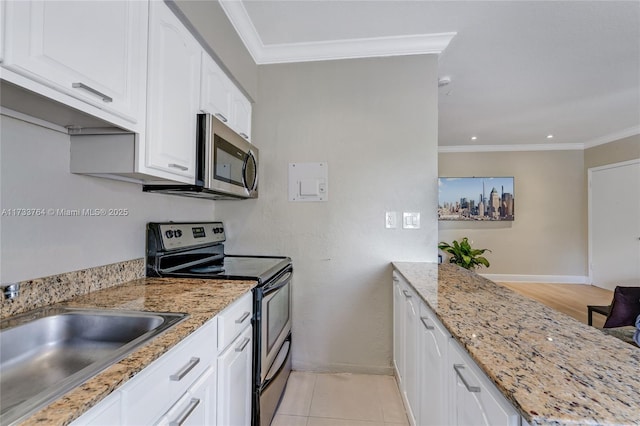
(464, 255)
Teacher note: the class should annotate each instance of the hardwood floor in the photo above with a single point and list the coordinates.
(571, 299)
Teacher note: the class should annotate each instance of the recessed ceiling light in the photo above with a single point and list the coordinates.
(549, 136)
(473, 138)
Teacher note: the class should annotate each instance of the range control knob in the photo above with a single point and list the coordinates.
(169, 233)
(178, 233)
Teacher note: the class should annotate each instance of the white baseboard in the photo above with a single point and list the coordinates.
(555, 279)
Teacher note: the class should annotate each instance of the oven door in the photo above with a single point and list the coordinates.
(276, 319)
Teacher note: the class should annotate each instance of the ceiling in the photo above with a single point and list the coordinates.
(519, 70)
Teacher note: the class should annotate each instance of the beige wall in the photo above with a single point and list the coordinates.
(548, 235)
(374, 121)
(212, 23)
(613, 152)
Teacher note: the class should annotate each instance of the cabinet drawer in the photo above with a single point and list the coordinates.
(158, 386)
(234, 319)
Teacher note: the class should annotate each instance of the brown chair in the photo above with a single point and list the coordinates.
(599, 309)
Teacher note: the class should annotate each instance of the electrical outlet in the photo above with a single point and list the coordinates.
(390, 220)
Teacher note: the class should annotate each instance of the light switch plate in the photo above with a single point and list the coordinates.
(391, 220)
(411, 220)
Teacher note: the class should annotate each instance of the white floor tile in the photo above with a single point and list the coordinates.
(297, 397)
(323, 421)
(346, 396)
(286, 420)
(389, 396)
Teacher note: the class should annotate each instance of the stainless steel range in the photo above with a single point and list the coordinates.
(196, 250)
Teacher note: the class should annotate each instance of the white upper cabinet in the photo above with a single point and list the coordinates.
(173, 95)
(241, 115)
(216, 90)
(221, 97)
(91, 50)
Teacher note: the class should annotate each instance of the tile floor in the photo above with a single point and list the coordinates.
(322, 399)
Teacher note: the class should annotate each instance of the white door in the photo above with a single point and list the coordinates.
(234, 382)
(614, 225)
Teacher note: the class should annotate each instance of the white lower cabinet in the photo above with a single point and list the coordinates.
(204, 380)
(475, 400)
(234, 381)
(433, 342)
(439, 383)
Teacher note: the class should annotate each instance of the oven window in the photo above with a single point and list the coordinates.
(277, 315)
(229, 162)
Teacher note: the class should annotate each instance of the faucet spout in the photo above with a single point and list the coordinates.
(11, 291)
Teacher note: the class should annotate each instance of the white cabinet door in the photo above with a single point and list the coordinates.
(411, 353)
(475, 400)
(241, 114)
(432, 370)
(234, 382)
(92, 50)
(215, 90)
(398, 330)
(197, 407)
(173, 95)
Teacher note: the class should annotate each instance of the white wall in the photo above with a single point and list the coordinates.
(375, 122)
(35, 174)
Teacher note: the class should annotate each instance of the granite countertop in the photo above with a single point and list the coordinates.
(554, 369)
(201, 299)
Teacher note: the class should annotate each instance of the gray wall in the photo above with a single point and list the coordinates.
(548, 234)
(212, 23)
(375, 122)
(35, 174)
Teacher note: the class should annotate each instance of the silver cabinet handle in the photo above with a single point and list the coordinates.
(221, 117)
(459, 368)
(182, 417)
(184, 370)
(83, 86)
(243, 317)
(395, 279)
(242, 345)
(424, 322)
(406, 294)
(178, 166)
(244, 135)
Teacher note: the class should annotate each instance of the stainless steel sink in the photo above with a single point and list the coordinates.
(47, 352)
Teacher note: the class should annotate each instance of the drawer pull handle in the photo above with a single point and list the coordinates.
(424, 322)
(244, 135)
(186, 413)
(459, 368)
(242, 345)
(406, 294)
(89, 89)
(221, 117)
(243, 317)
(184, 370)
(178, 166)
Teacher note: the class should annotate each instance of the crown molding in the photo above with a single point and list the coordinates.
(328, 50)
(631, 131)
(522, 147)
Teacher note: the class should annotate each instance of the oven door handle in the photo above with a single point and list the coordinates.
(280, 282)
(280, 361)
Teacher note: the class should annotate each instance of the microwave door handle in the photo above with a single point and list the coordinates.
(245, 167)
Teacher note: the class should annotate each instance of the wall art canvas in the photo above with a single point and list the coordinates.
(476, 198)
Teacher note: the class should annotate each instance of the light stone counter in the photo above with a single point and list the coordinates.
(552, 368)
(201, 299)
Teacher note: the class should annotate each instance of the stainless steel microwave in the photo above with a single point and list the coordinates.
(226, 164)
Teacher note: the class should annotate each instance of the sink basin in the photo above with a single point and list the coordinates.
(47, 352)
